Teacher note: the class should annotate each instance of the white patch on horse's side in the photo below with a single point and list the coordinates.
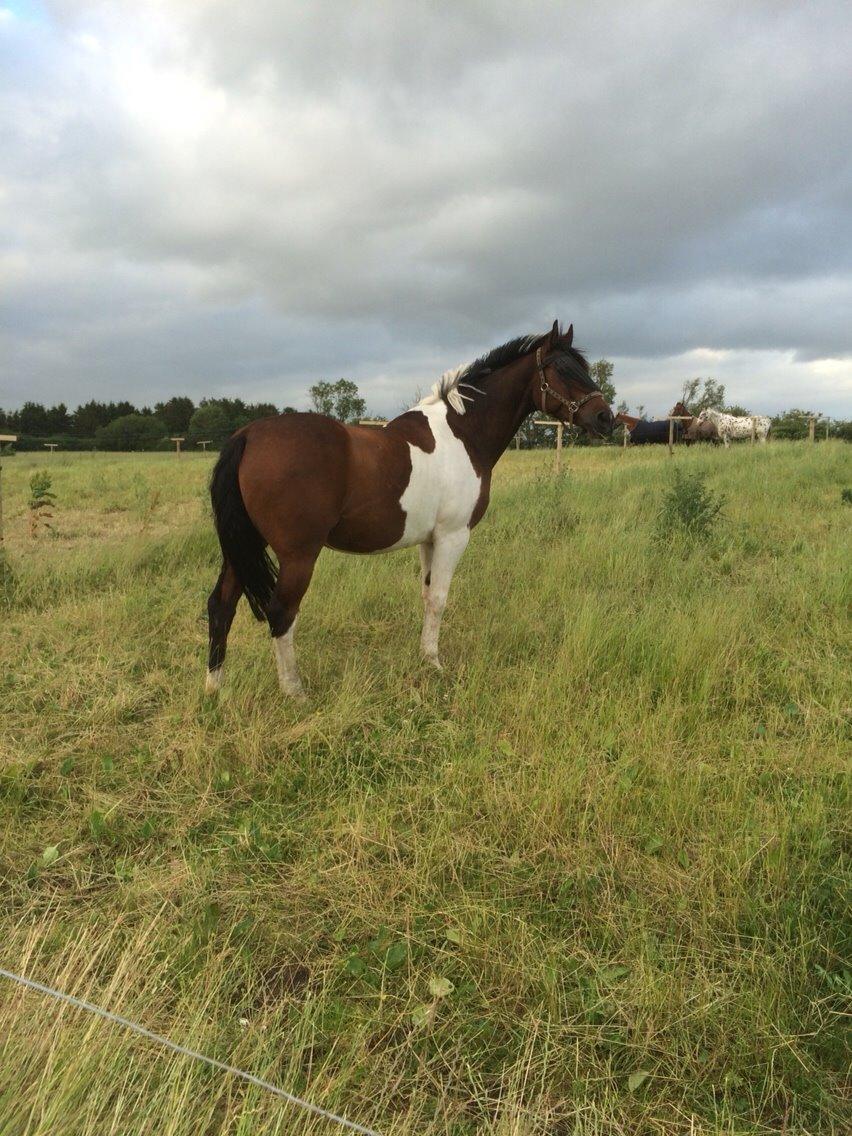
(285, 662)
(443, 488)
(213, 681)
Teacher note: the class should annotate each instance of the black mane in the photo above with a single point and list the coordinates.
(570, 363)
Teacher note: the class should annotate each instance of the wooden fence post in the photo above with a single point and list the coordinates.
(557, 464)
(204, 444)
(671, 437)
(3, 438)
(812, 429)
(177, 442)
(624, 436)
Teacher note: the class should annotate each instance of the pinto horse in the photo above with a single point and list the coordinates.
(303, 482)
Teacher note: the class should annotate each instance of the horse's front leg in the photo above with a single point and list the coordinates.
(426, 550)
(446, 552)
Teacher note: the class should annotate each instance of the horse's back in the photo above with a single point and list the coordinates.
(652, 433)
(295, 445)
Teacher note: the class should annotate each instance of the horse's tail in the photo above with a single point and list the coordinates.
(242, 545)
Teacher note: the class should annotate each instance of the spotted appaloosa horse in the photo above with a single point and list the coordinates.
(303, 482)
(731, 426)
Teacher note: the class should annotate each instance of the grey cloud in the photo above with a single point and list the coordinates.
(262, 196)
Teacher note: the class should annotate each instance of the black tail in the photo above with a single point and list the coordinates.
(242, 545)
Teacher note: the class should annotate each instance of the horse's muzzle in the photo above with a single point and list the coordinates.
(602, 423)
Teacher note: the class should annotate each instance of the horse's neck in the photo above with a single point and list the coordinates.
(491, 421)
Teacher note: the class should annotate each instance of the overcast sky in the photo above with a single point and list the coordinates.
(214, 198)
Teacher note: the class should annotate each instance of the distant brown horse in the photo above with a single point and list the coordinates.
(303, 482)
(696, 429)
(680, 411)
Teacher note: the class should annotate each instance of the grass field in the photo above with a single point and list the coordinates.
(589, 880)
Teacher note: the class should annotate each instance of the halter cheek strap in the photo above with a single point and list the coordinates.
(546, 389)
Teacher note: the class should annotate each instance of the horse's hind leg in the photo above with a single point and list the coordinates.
(220, 614)
(294, 575)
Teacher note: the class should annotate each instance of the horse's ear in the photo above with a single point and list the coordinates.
(554, 332)
(568, 337)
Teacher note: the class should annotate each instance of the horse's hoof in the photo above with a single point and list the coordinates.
(213, 681)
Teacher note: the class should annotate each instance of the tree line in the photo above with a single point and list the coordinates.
(124, 426)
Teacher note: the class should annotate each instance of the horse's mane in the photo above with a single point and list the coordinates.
(569, 362)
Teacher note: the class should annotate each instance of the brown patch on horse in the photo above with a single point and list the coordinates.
(414, 427)
(483, 499)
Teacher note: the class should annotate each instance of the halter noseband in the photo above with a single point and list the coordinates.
(546, 389)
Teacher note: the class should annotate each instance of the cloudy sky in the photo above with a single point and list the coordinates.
(217, 198)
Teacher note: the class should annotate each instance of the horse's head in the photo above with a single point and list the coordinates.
(680, 411)
(563, 386)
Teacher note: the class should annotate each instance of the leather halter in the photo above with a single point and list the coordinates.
(546, 389)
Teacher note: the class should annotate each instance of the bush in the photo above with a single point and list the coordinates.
(42, 500)
(209, 423)
(689, 507)
(131, 432)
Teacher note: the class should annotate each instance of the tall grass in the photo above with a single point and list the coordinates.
(614, 825)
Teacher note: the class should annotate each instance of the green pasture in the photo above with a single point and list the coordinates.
(593, 879)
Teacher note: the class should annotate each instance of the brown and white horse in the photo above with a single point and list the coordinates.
(303, 482)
